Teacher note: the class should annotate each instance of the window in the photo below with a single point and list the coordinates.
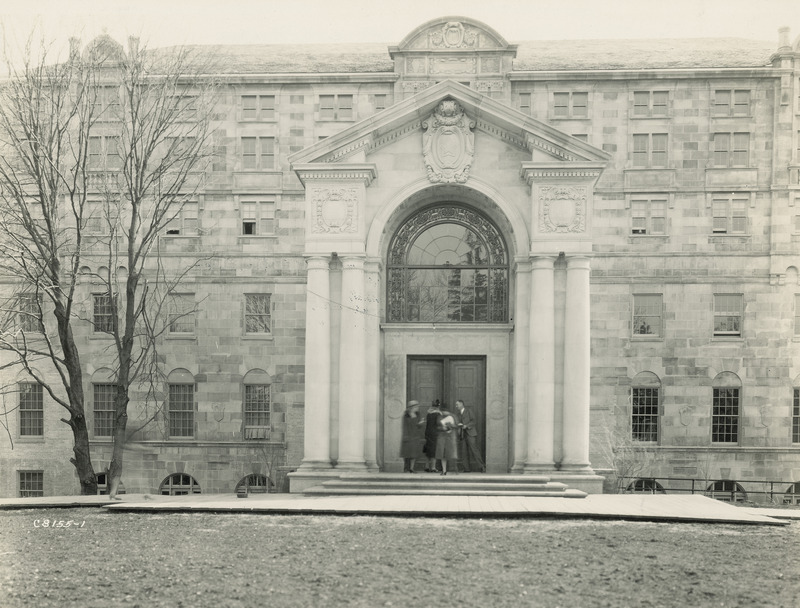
(650, 103)
(257, 313)
(179, 484)
(792, 495)
(255, 483)
(103, 317)
(219, 161)
(731, 149)
(103, 410)
(297, 99)
(650, 150)
(725, 408)
(796, 416)
(644, 414)
(727, 314)
(647, 310)
(297, 138)
(31, 484)
(447, 264)
(525, 103)
(105, 105)
(31, 409)
(185, 222)
(258, 107)
(258, 218)
(727, 491)
(731, 103)
(648, 216)
(30, 312)
(256, 411)
(258, 153)
(729, 214)
(335, 107)
(571, 105)
(181, 410)
(797, 314)
(102, 485)
(181, 314)
(645, 486)
(104, 153)
(380, 101)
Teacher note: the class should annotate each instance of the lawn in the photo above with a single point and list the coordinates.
(230, 560)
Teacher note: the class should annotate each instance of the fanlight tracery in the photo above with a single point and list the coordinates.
(447, 264)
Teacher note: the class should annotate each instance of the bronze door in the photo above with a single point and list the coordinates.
(448, 379)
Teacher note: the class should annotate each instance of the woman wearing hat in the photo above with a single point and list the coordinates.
(409, 443)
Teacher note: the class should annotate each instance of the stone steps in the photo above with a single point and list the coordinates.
(463, 484)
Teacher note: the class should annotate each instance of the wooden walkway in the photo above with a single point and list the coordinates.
(643, 507)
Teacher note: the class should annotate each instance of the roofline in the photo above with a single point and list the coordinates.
(628, 73)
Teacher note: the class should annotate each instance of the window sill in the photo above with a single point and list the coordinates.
(728, 238)
(257, 120)
(31, 439)
(582, 118)
(267, 337)
(644, 338)
(656, 117)
(723, 339)
(101, 336)
(632, 238)
(187, 337)
(245, 238)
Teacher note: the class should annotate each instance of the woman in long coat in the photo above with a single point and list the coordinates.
(410, 440)
(447, 439)
(431, 426)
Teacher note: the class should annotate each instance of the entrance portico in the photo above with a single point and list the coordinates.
(493, 170)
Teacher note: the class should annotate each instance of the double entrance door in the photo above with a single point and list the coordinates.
(448, 379)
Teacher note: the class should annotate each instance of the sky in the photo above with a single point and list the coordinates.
(170, 22)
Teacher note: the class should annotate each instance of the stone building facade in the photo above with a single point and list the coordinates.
(595, 245)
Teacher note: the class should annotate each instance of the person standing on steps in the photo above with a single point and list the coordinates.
(431, 426)
(447, 440)
(410, 440)
(469, 442)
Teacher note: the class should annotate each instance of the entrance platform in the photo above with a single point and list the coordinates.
(636, 507)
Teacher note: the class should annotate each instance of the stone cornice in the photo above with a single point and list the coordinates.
(339, 172)
(652, 74)
(532, 142)
(531, 171)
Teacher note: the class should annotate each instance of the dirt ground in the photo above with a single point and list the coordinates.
(231, 560)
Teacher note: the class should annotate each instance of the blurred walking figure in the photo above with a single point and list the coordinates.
(411, 438)
(469, 442)
(446, 439)
(431, 426)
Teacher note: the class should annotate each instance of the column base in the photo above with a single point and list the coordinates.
(580, 467)
(358, 466)
(539, 467)
(315, 465)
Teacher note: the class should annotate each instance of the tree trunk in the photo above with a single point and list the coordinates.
(82, 459)
(120, 430)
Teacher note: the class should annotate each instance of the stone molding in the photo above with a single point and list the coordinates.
(335, 210)
(356, 173)
(582, 170)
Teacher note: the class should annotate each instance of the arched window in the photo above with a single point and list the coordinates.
(726, 490)
(255, 483)
(792, 495)
(645, 486)
(181, 403)
(725, 408)
(645, 394)
(256, 404)
(447, 264)
(179, 484)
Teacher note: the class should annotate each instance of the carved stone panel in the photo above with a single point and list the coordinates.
(562, 209)
(454, 35)
(335, 210)
(454, 65)
(448, 143)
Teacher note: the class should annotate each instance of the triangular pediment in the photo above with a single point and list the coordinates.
(408, 117)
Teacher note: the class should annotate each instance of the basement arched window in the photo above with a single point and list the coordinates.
(447, 264)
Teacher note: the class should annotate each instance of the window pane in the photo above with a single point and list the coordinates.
(345, 107)
(31, 484)
(257, 313)
(660, 99)
(561, 104)
(725, 416)
(326, 107)
(181, 410)
(248, 106)
(722, 102)
(641, 103)
(721, 149)
(644, 414)
(580, 104)
(741, 102)
(256, 409)
(647, 315)
(267, 107)
(103, 313)
(31, 409)
(103, 410)
(796, 416)
(248, 152)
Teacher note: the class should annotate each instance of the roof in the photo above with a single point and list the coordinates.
(532, 55)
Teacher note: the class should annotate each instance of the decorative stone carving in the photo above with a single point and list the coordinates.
(453, 35)
(448, 144)
(415, 86)
(415, 65)
(490, 64)
(486, 86)
(454, 65)
(563, 209)
(335, 210)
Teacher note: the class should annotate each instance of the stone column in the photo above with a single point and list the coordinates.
(372, 290)
(317, 428)
(541, 385)
(577, 366)
(521, 365)
(352, 361)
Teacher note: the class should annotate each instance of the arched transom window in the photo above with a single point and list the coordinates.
(447, 264)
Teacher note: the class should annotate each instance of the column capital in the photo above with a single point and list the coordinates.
(352, 261)
(579, 262)
(372, 265)
(318, 262)
(543, 262)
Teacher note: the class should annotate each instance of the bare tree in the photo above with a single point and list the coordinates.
(102, 155)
